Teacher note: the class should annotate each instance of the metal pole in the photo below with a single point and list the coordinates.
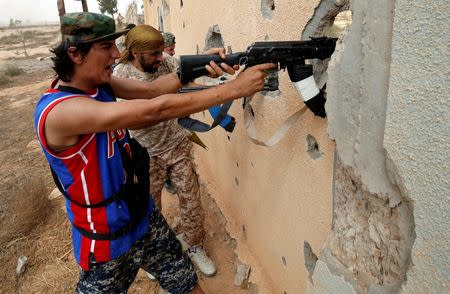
(85, 7)
(61, 7)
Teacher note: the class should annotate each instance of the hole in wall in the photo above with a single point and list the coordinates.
(244, 232)
(160, 20)
(163, 12)
(197, 50)
(310, 259)
(340, 25)
(213, 38)
(283, 259)
(181, 3)
(313, 148)
(229, 50)
(184, 25)
(267, 8)
(236, 181)
(331, 18)
(165, 8)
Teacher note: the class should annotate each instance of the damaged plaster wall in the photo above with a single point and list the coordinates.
(372, 234)
(274, 199)
(386, 167)
(389, 172)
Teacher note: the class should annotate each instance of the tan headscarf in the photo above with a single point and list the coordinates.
(141, 38)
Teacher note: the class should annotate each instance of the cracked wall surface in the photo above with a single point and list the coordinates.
(274, 198)
(382, 143)
(373, 229)
(370, 216)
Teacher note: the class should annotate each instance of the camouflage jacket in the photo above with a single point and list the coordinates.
(162, 136)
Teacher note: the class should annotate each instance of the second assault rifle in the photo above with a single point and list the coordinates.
(290, 55)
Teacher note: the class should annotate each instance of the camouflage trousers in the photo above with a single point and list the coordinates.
(159, 252)
(178, 165)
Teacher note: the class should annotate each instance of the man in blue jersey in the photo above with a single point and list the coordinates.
(102, 172)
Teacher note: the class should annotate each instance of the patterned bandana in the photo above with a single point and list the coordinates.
(141, 38)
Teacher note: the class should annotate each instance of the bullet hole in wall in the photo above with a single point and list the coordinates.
(244, 232)
(184, 25)
(213, 38)
(165, 8)
(236, 181)
(284, 260)
(229, 138)
(266, 38)
(181, 3)
(310, 258)
(267, 8)
(197, 50)
(313, 148)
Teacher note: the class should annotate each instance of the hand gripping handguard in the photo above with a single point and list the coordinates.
(290, 55)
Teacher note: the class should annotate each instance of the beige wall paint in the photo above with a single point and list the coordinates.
(283, 197)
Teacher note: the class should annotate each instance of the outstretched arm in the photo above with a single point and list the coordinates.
(74, 117)
(133, 89)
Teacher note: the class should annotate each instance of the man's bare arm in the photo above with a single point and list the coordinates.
(134, 89)
(74, 117)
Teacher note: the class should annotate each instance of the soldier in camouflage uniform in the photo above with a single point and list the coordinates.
(169, 43)
(83, 133)
(168, 146)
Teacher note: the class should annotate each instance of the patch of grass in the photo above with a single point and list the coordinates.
(10, 39)
(29, 208)
(13, 70)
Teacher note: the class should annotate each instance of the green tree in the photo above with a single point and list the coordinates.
(108, 6)
(13, 23)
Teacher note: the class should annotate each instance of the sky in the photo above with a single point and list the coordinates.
(42, 11)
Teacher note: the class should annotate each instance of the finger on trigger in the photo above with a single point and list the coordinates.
(265, 66)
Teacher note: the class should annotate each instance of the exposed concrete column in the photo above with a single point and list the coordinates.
(369, 247)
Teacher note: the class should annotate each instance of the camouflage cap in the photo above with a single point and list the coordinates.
(86, 27)
(169, 39)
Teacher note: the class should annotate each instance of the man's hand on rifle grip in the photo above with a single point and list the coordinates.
(216, 71)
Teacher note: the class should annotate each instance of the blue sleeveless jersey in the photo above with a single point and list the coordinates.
(90, 172)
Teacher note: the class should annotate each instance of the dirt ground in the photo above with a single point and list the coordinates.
(33, 220)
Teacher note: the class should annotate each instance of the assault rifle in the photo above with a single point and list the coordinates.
(290, 55)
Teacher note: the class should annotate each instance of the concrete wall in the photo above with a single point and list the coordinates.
(392, 152)
(417, 135)
(370, 214)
